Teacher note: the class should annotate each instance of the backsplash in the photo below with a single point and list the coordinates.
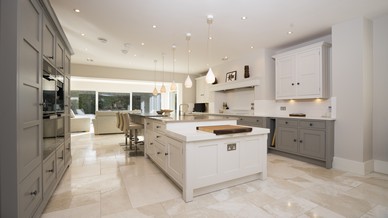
(311, 107)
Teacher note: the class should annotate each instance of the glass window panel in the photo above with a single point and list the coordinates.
(113, 101)
(83, 102)
(146, 102)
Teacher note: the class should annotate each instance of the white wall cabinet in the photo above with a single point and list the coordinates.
(202, 90)
(303, 73)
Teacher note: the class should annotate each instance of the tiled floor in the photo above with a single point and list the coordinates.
(103, 181)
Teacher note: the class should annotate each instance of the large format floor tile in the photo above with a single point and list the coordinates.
(103, 181)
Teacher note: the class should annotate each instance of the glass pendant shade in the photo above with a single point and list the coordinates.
(210, 78)
(173, 86)
(155, 92)
(188, 82)
(163, 89)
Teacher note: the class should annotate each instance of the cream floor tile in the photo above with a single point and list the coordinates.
(378, 211)
(104, 182)
(149, 189)
(319, 212)
(115, 201)
(87, 211)
(289, 207)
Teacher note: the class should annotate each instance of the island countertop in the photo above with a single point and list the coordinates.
(190, 118)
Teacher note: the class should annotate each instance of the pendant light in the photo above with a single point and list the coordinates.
(155, 92)
(210, 78)
(188, 82)
(173, 85)
(163, 88)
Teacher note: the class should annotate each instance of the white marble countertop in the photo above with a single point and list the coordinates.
(190, 118)
(270, 116)
(191, 135)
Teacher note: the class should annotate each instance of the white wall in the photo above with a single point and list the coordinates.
(380, 90)
(351, 76)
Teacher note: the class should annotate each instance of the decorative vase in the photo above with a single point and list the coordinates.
(246, 71)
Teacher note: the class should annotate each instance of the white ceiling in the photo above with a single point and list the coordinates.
(131, 21)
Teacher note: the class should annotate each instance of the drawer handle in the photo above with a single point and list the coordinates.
(34, 193)
(50, 57)
(158, 152)
(165, 154)
(68, 148)
(50, 171)
(158, 136)
(311, 124)
(61, 158)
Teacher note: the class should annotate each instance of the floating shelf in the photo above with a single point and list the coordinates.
(238, 84)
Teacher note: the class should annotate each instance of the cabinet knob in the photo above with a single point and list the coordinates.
(157, 127)
(286, 122)
(300, 141)
(34, 193)
(50, 171)
(151, 143)
(292, 84)
(61, 158)
(165, 154)
(50, 57)
(311, 124)
(158, 152)
(298, 84)
(158, 136)
(294, 140)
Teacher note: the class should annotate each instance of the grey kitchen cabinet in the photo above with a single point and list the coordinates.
(251, 121)
(304, 139)
(28, 40)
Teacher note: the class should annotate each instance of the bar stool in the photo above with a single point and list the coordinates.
(131, 129)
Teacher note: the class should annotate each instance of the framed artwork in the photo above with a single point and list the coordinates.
(231, 76)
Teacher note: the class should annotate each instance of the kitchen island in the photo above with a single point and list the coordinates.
(200, 162)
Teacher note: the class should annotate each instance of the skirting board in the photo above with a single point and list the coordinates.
(381, 166)
(362, 168)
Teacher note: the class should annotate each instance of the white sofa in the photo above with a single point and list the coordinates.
(79, 123)
(105, 122)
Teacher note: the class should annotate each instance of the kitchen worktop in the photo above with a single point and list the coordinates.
(269, 116)
(190, 118)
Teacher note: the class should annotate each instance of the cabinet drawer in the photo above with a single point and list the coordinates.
(149, 125)
(31, 195)
(49, 172)
(60, 162)
(159, 137)
(312, 124)
(287, 122)
(251, 121)
(159, 127)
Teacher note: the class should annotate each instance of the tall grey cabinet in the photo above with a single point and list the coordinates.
(29, 169)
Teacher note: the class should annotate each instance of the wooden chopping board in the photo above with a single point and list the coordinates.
(224, 129)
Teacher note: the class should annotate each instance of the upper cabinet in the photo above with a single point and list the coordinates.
(48, 40)
(303, 73)
(202, 90)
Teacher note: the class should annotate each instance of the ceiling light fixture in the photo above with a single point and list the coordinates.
(83, 34)
(252, 46)
(76, 10)
(163, 88)
(225, 58)
(243, 18)
(289, 32)
(155, 92)
(154, 26)
(142, 43)
(210, 78)
(103, 40)
(173, 85)
(188, 82)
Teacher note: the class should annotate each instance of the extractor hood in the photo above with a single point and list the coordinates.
(237, 84)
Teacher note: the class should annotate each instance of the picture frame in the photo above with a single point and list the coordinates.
(231, 76)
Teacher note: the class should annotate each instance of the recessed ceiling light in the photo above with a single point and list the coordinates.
(135, 55)
(142, 43)
(243, 18)
(103, 40)
(89, 59)
(225, 58)
(127, 45)
(289, 32)
(83, 34)
(154, 26)
(252, 46)
(76, 10)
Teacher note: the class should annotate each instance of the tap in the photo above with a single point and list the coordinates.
(183, 109)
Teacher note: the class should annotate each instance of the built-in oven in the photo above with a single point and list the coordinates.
(53, 108)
